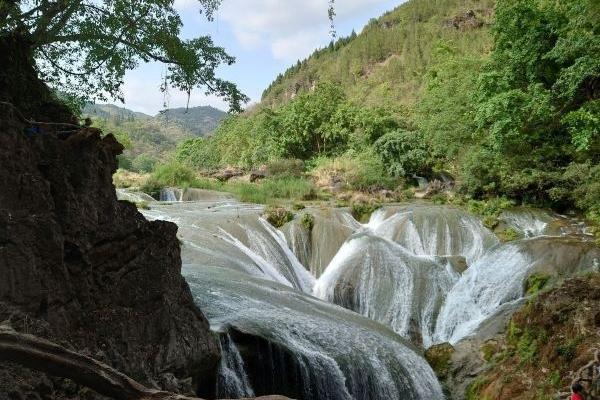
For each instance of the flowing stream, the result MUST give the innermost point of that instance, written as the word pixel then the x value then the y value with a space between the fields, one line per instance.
pixel 414 275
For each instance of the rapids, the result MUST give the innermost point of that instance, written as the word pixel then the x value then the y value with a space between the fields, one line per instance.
pixel 431 274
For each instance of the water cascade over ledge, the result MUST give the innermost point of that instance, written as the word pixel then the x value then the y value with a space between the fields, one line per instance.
pixel 431 274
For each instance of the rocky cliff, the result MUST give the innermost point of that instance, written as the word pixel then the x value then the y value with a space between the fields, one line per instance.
pixel 87 271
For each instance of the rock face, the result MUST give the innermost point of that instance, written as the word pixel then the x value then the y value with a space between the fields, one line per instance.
pixel 88 271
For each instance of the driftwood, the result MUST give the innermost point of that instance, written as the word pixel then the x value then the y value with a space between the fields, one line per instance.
pixel 44 356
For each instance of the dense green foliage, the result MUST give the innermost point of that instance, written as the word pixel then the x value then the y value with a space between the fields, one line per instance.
pixel 321 127
pixel 511 111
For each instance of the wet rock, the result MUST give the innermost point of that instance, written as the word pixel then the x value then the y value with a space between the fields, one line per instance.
pixel 88 271
pixel 257 175
pixel 439 357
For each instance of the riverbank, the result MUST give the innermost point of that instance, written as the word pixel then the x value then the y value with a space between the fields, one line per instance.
pixel 295 192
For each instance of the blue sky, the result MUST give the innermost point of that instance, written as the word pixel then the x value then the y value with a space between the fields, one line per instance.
pixel 265 36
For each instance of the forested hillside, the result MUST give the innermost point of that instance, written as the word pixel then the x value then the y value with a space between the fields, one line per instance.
pixel 505 98
pixel 151 139
pixel 387 63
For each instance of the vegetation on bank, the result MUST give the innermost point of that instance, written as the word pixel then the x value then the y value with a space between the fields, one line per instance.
pixel 507 105
pixel 553 334
pixel 518 122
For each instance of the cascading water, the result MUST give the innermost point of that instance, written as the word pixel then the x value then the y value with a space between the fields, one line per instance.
pixel 170 195
pixel 497 280
pixel 288 342
pixel 383 281
pixel 298 346
pixel 232 235
pixel 406 263
pixel 317 247
pixel 232 380
pixel 405 269
pixel 134 197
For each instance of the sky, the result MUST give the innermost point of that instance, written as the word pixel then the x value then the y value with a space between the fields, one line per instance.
pixel 265 37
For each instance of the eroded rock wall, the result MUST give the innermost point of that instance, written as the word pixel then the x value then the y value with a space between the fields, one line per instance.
pixel 88 271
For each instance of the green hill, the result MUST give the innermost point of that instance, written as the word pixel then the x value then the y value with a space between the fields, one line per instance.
pixel 150 139
pixel 387 62
pixel 504 97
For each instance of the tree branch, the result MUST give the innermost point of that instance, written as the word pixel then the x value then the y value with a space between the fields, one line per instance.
pixel 47 357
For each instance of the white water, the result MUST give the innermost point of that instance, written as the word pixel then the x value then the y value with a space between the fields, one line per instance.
pixel 402 269
pixel 232 381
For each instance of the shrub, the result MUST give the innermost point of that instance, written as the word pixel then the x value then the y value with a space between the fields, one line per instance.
pixel 536 282
pixel 355 171
pixel 278 216
pixel 143 163
pixel 404 153
pixel 172 174
pixel 298 206
pixel 307 221
pixel 362 207
pixel 490 209
pixel 509 235
pixel 125 179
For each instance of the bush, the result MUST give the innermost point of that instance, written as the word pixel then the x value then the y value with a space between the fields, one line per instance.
pixel 307 221
pixel 124 162
pixel 361 208
pixel 355 171
pixel 278 216
pixel 490 209
pixel 509 235
pixel 143 163
pixel 404 153
pixel 125 179
pixel 200 153
pixel 172 174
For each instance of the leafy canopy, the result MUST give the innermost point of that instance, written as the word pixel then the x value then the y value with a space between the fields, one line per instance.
pixel 84 47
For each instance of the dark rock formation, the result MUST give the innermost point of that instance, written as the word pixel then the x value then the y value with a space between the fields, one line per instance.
pixel 87 271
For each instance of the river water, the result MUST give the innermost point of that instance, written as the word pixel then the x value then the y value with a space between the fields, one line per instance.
pixel 340 311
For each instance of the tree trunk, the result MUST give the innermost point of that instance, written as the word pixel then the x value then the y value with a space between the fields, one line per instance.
pixel 21 86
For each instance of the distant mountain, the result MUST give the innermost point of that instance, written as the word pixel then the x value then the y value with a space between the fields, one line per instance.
pixel 153 137
pixel 199 120
pixel 109 111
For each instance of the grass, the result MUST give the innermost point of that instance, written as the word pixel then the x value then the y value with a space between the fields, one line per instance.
pixel 270 190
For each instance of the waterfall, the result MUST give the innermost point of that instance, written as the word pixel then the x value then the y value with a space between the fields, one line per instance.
pixel 414 274
pixel 316 249
pixel 232 380
pixel 434 230
pixel 304 348
pixel 496 281
pixel 134 197
pixel 170 195
pixel 383 281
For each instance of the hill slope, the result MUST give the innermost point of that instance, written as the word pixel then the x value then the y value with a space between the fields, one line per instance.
pixel 148 139
pixel 387 61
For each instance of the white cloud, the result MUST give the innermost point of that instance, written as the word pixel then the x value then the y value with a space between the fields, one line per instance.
pixel 291 28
